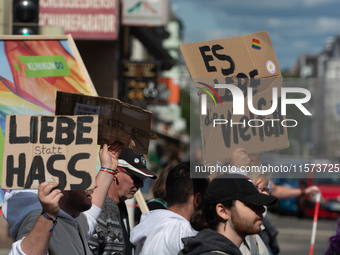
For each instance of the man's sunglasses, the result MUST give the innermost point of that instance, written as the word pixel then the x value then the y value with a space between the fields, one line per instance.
pixel 135 178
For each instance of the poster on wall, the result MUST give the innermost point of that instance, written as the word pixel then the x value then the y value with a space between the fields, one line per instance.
pixel 32 70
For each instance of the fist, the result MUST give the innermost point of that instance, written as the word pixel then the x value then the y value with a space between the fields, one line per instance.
pixel 49 198
pixel 239 158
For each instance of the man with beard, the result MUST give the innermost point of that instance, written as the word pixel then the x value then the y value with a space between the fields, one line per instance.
pixel 232 209
pixel 52 222
pixel 160 231
pixel 112 234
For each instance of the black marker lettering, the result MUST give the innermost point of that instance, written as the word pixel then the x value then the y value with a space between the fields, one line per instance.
pixel 79 174
pixel 207 59
pixel 11 170
pixel 13 138
pixel 46 129
pixel 81 129
pixel 226 130
pixel 242 130
pixel 223 57
pixel 34 129
pixel 58 173
pixel 68 130
pixel 37 172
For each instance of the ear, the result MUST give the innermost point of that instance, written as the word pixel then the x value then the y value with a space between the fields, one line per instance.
pixel 197 199
pixel 119 171
pixel 222 211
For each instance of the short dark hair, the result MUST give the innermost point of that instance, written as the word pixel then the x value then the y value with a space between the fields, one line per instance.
pixel 207 216
pixel 179 185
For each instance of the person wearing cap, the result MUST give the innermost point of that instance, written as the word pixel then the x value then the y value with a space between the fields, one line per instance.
pixel 112 234
pixel 232 209
pixel 253 244
pixel 160 231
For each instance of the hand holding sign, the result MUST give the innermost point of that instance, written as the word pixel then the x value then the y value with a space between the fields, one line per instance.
pixel 108 159
pixel 239 158
pixel 49 198
pixel 109 155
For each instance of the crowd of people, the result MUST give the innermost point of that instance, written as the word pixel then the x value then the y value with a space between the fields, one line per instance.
pixel 224 214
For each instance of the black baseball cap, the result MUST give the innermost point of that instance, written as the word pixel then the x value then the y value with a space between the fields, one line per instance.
pixel 134 163
pixel 228 187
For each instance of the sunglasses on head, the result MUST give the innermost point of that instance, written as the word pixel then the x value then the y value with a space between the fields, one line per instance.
pixel 263 189
pixel 135 178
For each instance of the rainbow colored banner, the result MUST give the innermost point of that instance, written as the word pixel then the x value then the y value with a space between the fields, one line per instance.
pixel 31 71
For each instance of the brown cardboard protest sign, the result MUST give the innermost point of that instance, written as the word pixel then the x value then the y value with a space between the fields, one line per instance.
pixel 245 62
pixel 50 148
pixel 118 121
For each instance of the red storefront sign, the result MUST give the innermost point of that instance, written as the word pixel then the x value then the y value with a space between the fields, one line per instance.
pixel 84 19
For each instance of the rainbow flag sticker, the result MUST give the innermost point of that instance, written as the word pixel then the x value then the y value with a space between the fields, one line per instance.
pixel 256 44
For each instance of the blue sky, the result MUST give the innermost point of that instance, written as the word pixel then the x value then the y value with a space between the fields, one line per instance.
pixel 295 26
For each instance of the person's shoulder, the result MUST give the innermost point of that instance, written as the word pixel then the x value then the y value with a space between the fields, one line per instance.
pixel 27 224
pixel 32 216
pixel 177 226
pixel 110 209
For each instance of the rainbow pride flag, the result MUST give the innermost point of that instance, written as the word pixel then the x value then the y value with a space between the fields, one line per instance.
pixel 256 44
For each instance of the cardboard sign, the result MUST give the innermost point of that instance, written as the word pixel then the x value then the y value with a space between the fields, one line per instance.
pixel 50 148
pixel 118 121
pixel 247 61
pixel 32 69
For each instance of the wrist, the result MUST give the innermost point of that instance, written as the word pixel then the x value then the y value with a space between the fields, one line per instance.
pixel 109 170
pixel 112 172
pixel 54 220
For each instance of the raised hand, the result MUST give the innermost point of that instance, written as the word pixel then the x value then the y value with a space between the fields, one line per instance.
pixel 49 198
pixel 239 158
pixel 109 155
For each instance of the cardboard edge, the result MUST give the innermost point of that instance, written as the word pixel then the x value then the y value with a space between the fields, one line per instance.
pixel 185 61
pixel 81 64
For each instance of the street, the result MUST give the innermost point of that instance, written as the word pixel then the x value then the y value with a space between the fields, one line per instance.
pixel 295 234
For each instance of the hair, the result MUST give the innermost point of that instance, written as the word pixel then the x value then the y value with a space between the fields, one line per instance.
pixel 258 175
pixel 180 186
pixel 207 217
pixel 334 242
pixel 200 185
pixel 158 189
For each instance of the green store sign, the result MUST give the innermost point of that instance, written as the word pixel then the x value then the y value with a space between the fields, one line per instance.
pixel 44 66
